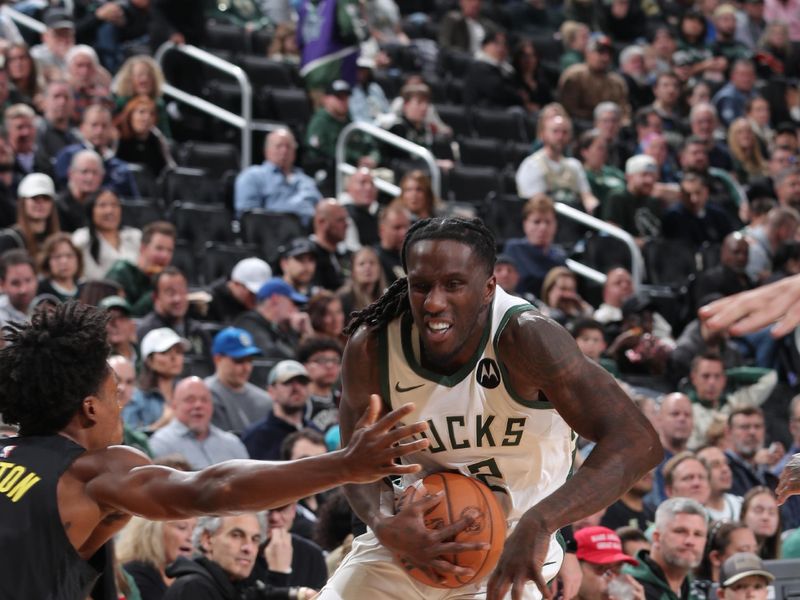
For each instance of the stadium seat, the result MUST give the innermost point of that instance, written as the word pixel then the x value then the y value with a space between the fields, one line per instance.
pixel 219 259
pixel 603 252
pixel 226 36
pixel 515 153
pixel 201 223
pixel 187 183
pixel 454 63
pixel 269 230
pixel 290 106
pixel 472 184
pixel 260 41
pixel 482 152
pixel 145 180
pixel 669 262
pixel 502 213
pixel 185 259
pixel 260 373
pixel 263 71
pixel 139 212
pixel 457 117
pixel 214 158
pixel 499 124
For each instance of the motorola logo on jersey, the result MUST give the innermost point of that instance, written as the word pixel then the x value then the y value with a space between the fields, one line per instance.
pixel 488 373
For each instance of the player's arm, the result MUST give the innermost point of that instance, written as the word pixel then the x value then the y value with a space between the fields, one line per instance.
pixel 777 303
pixel 404 533
pixel 122 479
pixel 540 354
pixel 360 379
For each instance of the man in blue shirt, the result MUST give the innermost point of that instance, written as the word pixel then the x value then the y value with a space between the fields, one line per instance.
pixel 276 184
pixel 190 432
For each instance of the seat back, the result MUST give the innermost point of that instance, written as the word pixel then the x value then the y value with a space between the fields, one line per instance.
pixel 268 231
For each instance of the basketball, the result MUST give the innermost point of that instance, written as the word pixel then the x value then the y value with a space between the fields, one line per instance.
pixel 462 496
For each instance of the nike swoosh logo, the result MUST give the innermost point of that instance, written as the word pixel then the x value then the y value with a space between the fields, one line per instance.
pixel 406 389
pixel 552 562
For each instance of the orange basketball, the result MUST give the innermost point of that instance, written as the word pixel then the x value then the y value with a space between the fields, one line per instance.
pixel 462 496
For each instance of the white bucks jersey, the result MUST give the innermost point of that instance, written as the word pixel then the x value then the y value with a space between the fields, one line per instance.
pixel 478 425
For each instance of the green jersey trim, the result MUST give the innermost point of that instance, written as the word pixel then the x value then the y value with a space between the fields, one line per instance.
pixel 536 404
pixel 406 329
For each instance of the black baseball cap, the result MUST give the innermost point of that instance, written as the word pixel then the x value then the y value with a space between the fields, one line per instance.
pixel 297 247
pixel 338 87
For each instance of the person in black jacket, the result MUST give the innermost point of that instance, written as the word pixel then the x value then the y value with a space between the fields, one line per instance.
pixel 230 547
pixel 490 79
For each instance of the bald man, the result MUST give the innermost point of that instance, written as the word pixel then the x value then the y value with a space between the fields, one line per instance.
pixel 191 434
pixel 276 184
pixel 333 259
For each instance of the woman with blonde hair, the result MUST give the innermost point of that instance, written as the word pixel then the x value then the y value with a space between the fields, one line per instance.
pixel 748 162
pixel 145 549
pixel 416 195
pixel 141 75
pixel 367 282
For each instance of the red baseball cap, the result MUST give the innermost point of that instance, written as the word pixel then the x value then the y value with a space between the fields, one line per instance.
pixel 601 546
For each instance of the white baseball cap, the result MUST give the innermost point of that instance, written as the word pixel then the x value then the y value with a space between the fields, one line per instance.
pixel 641 163
pixel 161 340
pixel 36 184
pixel 252 273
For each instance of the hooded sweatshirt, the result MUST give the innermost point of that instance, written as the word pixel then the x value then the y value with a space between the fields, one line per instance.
pixel 652 578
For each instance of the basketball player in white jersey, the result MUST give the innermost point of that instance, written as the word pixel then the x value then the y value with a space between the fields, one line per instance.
pixel 501 388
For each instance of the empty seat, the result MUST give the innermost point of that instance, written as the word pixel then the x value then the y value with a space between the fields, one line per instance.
pixel 260 41
pixel 515 153
pixel 145 180
pixel 457 117
pixel 260 373
pixel 270 230
pixel 669 262
pixel 454 62
pixel 264 71
pixel 225 94
pixel 187 183
pixel 138 213
pixel 482 152
pixel 226 36
pixel 291 106
pixel 603 252
pixel 202 223
pixel 214 158
pixel 499 124
pixel 502 214
pixel 473 184
pixel 219 259
pixel 185 259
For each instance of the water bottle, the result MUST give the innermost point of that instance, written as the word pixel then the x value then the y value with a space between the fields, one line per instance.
pixel 620 589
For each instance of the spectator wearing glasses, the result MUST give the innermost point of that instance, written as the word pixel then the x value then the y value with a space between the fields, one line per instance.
pixel 322 358
pixel 601 559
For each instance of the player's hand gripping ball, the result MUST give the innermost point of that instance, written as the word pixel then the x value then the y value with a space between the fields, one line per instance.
pixel 463 496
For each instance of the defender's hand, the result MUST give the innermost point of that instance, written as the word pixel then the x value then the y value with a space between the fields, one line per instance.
pixel 375 446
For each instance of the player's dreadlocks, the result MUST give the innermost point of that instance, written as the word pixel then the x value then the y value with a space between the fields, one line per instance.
pixel 394 301
pixel 50 365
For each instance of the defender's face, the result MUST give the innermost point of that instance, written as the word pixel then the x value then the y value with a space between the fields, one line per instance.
pixel 450 293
